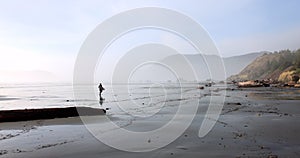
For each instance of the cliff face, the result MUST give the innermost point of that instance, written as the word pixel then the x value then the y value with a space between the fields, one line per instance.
pixel 281 66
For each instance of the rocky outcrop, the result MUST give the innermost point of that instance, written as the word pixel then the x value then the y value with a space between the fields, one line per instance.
pixel 289 76
pixel 48 113
pixel 249 84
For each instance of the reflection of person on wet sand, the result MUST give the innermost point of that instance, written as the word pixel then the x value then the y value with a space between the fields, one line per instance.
pixel 101 89
pixel 101 102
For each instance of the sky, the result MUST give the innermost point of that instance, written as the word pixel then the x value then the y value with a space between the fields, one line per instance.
pixel 46 35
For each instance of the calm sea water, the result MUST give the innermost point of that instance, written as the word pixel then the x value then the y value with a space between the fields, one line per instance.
pixel 47 95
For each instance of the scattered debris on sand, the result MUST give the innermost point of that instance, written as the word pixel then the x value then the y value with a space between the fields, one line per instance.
pixel 3 152
pixel 238 135
pixel 52 145
pixel 272 156
pixel 234 103
pixel 200 87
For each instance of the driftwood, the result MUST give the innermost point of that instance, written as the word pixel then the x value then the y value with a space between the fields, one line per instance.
pixel 47 113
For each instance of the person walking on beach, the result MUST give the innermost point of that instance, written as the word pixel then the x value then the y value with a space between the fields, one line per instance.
pixel 101 89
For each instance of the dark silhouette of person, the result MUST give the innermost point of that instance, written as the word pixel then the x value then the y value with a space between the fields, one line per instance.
pixel 101 89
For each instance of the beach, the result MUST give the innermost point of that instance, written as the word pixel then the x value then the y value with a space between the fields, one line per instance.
pixel 254 122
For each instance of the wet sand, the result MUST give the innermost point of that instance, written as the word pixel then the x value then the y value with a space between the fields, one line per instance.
pixel 252 124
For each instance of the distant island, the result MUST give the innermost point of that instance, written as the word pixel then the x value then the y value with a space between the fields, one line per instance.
pixel 282 66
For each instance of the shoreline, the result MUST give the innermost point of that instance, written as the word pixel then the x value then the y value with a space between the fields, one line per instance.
pixel 249 126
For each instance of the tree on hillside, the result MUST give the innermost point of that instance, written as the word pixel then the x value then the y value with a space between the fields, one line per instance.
pixel 297 58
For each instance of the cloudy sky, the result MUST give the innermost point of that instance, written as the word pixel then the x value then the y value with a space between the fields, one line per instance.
pixel 45 35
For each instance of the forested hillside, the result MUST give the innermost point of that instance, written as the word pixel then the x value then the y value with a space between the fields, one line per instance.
pixel 282 66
